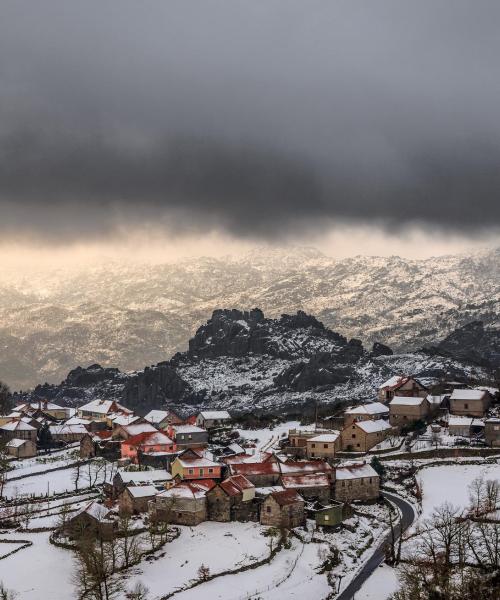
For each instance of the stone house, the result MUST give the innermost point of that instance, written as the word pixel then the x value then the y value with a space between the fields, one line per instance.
pixel 135 499
pixel 492 432
pixel 282 509
pixel 162 419
pixel 21 448
pixel 360 436
pixel 325 445
pixel 356 481
pixel 311 486
pixel 194 465
pixel 67 433
pixel 459 426
pixel 366 412
pixel 297 440
pixel 157 478
pixel 403 386
pixel 183 504
pixel 404 410
pixel 99 443
pixel 188 436
pixel 209 419
pixel 18 430
pixel 232 500
pixel 470 403
pixel 92 520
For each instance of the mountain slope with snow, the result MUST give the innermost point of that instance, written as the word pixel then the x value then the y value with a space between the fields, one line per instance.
pixel 127 315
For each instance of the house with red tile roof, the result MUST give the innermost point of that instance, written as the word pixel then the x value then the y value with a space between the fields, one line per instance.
pixel 232 500
pixel 145 443
pixel 401 385
pixel 183 504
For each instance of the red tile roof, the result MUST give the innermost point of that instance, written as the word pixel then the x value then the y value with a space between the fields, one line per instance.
pixel 264 468
pixel 286 497
pixel 233 486
pixel 305 466
pixel 305 481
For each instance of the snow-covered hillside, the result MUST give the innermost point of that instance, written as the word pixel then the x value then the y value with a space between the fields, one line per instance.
pixel 127 315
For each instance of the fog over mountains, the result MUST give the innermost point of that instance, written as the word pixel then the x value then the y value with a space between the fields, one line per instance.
pixel 132 315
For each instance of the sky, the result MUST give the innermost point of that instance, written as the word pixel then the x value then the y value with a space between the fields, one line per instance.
pixel 169 128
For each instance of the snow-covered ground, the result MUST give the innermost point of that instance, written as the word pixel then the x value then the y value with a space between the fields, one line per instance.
pixel 450 483
pixel 268 438
pixel 380 585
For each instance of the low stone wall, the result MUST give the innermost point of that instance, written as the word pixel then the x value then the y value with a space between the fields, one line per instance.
pixel 443 453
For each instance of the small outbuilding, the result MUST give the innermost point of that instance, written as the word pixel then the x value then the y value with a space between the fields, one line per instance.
pixel 21 448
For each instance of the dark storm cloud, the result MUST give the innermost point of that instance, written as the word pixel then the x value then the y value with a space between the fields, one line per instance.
pixel 258 118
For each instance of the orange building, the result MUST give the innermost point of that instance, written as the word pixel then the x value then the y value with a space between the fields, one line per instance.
pixel 146 442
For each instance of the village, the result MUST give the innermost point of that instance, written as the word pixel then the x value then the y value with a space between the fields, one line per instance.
pixel 102 473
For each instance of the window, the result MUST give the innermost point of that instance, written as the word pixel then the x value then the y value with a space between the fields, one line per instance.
pixel 201 471
pixel 327 518
pixel 353 436
pixel 313 445
pixel 358 445
pixel 466 406
pixel 190 437
pixel 190 471
pixel 371 480
pixel 210 470
pixel 268 509
pixel 325 445
pixel 362 482
pixel 312 454
pixel 343 484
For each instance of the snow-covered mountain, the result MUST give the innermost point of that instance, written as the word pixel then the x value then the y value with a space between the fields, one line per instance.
pixel 127 315
pixel 243 361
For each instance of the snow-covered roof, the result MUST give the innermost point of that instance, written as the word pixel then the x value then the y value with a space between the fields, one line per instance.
pixel 17 426
pixel 395 380
pixel 189 489
pixel 156 416
pixel 304 466
pixel 372 408
pixel 137 428
pixel 103 407
pixel 43 404
pixel 373 426
pixel 197 462
pixel 215 414
pixel 121 419
pixel 305 481
pixel 142 491
pixel 158 475
pixel 467 395
pixel 437 400
pixel 15 443
pixel 188 429
pixel 96 510
pixel 355 470
pixel 66 429
pixel 326 437
pixel 458 421
pixel 406 401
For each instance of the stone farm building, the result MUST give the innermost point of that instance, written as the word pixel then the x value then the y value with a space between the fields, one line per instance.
pixel 208 419
pixel 366 412
pixel 360 436
pixel 325 445
pixel 135 499
pixel 283 509
pixel 404 410
pixel 232 500
pixel 21 448
pixel 492 432
pixel 184 504
pixel 92 520
pixel 356 481
pixel 471 403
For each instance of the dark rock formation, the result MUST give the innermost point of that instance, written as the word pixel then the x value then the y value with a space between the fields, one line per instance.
pixel 380 349
pixel 471 343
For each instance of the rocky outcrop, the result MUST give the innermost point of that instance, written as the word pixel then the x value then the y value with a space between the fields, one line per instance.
pixel 379 349
pixel 472 343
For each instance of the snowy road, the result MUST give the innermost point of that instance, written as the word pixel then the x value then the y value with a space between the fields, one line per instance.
pixel 407 518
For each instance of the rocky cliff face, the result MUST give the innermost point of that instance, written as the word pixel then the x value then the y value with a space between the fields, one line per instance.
pixel 243 361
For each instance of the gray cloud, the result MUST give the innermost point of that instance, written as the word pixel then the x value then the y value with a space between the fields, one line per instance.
pixel 256 118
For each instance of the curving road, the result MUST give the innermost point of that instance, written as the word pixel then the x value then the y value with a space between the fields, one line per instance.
pixel 407 518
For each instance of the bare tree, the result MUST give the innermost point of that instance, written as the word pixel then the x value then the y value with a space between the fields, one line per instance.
pixel 5 400
pixel 93 574
pixel 129 548
pixel 138 592
pixel 6 594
